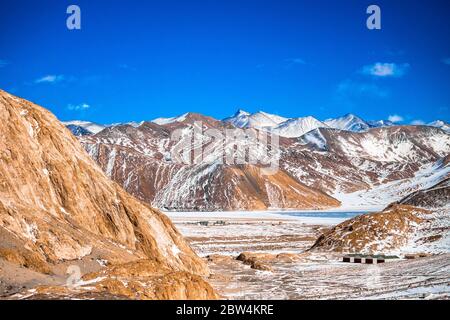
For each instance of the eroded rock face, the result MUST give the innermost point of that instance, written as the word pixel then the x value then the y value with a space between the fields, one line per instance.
pixel 60 206
pixel 137 280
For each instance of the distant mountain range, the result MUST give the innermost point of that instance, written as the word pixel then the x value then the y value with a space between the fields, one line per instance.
pixel 284 127
pixel 345 161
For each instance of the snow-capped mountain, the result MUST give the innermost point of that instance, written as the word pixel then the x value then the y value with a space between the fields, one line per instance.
pixel 440 124
pixel 78 131
pixel 83 127
pixel 294 128
pixel 380 123
pixel 243 119
pixel 349 122
pixel 339 163
pixel 131 123
pixel 162 121
pixel 141 160
pixel 355 161
pixel 239 119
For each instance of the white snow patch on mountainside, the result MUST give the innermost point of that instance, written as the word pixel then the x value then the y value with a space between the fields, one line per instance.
pixel 294 128
pixel 348 122
pixel 243 119
pixel 440 124
pixel 162 121
pixel 384 194
pixel 89 126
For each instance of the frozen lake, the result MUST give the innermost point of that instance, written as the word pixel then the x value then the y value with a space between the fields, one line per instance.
pixel 326 214
pixel 326 217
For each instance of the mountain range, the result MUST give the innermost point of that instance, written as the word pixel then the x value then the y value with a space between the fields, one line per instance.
pixel 285 127
pixel 347 162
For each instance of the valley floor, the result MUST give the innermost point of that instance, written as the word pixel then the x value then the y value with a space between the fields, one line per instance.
pixel 286 271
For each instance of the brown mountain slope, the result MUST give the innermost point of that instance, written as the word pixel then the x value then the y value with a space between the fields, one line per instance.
pixel 418 223
pixel 435 197
pixel 382 165
pixel 58 205
pixel 240 187
pixel 140 159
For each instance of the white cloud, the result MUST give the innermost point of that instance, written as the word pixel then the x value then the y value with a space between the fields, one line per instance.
pixel 395 118
pixel 446 61
pixel 385 69
pixel 418 123
pixel 78 107
pixel 51 78
pixel 3 63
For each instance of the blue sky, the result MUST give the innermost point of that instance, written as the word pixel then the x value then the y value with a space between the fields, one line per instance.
pixel 137 60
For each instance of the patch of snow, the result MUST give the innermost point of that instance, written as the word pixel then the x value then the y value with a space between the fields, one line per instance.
pixel 89 126
pixel 294 128
pixel 163 121
pixel 175 250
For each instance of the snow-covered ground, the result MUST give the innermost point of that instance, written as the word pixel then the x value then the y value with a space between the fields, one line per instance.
pixel 378 197
pixel 273 232
pixel 313 275
pixel 426 278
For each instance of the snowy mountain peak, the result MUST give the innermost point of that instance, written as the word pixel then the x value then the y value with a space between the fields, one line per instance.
pixel 381 123
pixel 83 127
pixel 297 127
pixel 440 124
pixel 241 112
pixel 264 120
pixel 239 119
pixel 260 119
pixel 348 122
pixel 162 121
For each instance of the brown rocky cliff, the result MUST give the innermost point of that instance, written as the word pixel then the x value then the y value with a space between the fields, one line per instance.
pixel 61 206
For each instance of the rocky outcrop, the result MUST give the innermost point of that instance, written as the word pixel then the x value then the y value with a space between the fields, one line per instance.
pixel 418 223
pixel 57 205
pixel 138 280
pixel 437 196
